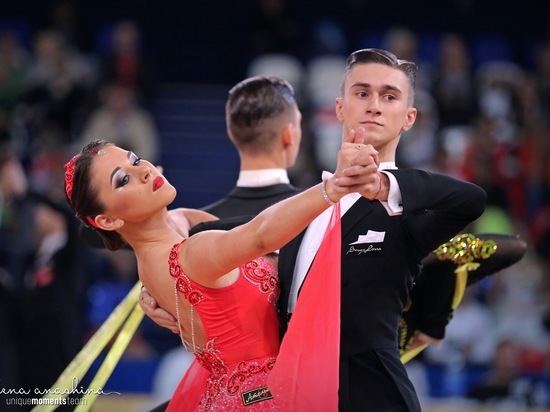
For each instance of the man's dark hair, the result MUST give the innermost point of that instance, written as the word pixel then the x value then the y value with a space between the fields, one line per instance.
pixel 256 108
pixel 386 58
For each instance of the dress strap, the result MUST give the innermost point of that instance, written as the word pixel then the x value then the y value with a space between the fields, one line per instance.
pixel 188 347
pixel 183 284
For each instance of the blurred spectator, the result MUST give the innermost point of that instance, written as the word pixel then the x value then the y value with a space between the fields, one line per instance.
pixel 530 111
pixel 533 155
pixel 485 161
pixel 505 386
pixel 41 292
pixel 59 92
pixel 64 18
pixel 542 72
pixel 540 233
pixel 124 62
pixel 323 79
pixel 327 37
pixel 121 121
pixel 498 85
pixel 274 28
pixel 417 147
pixel 453 86
pixel 518 300
pixel 404 43
pixel 14 65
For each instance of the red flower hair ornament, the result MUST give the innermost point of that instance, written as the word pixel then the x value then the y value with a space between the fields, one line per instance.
pixel 69 175
pixel 69 178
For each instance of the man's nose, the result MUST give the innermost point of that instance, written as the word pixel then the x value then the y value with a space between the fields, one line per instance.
pixel 373 105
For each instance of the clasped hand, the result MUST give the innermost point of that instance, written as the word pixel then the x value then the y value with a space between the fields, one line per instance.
pixel 357 167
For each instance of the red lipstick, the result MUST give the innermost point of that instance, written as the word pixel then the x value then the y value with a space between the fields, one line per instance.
pixel 158 182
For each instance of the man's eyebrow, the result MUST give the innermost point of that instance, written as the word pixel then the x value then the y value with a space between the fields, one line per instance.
pixel 384 87
pixel 360 84
pixel 391 87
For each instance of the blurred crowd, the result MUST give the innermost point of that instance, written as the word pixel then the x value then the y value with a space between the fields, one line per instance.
pixel 483 117
pixel 56 95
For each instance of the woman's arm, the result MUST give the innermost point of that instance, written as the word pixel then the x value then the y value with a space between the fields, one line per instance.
pixel 210 255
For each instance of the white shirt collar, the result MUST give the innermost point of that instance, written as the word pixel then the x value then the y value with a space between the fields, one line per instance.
pixel 262 177
pixel 387 165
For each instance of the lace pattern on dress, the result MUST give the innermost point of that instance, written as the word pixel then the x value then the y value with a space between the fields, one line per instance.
pixel 262 274
pixel 225 384
pixel 183 284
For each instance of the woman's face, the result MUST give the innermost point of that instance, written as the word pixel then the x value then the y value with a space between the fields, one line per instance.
pixel 132 189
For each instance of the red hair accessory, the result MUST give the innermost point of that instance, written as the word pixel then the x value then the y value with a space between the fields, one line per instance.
pixel 91 221
pixel 69 176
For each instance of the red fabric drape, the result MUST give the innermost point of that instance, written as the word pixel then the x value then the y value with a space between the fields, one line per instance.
pixel 305 375
pixel 188 394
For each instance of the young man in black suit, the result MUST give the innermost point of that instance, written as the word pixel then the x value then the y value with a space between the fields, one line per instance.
pixel 383 240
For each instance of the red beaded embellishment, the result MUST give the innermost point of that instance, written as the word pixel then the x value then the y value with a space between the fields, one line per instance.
pixel 69 175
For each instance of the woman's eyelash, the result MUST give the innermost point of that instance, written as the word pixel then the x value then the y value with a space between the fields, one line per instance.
pixel 124 179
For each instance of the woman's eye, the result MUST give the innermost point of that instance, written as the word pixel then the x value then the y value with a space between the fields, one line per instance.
pixel 137 161
pixel 123 180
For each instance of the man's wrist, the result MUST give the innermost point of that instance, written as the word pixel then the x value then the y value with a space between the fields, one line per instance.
pixel 384 189
pixel 379 186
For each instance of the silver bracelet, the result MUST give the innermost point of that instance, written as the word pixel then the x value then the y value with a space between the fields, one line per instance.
pixel 325 196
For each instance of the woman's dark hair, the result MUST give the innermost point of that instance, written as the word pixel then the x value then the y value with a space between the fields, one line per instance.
pixel 82 195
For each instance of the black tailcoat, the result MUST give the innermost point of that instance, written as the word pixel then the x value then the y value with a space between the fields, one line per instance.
pixel 377 278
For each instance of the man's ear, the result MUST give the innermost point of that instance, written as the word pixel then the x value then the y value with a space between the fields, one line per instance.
pixel 108 223
pixel 338 109
pixel 286 135
pixel 410 119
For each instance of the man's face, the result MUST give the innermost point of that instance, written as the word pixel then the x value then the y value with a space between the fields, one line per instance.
pixel 376 98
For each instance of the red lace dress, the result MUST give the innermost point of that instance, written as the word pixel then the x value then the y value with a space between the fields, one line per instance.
pixel 242 334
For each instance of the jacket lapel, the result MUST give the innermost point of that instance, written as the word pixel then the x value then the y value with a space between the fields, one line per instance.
pixel 360 209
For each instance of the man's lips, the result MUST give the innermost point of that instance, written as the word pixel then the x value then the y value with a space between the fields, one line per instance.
pixel 158 182
pixel 370 123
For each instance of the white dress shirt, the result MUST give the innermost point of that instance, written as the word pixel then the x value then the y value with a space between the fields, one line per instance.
pixel 316 230
pixel 262 177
